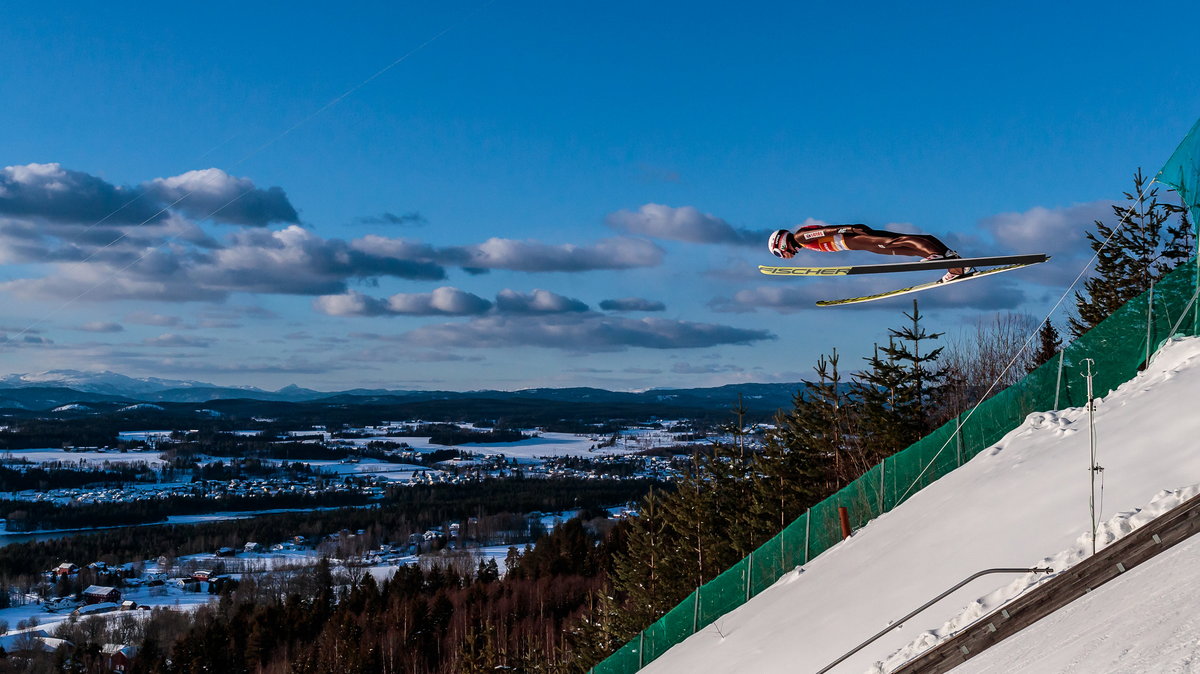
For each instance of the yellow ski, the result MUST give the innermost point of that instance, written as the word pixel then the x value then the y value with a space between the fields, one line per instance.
pixel 922 286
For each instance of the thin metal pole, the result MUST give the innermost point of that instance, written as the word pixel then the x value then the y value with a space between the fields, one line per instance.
pixel 1058 384
pixel 1093 468
pixel 1149 319
pixel 883 486
pixel 641 649
pixel 696 612
pixel 782 553
pixel 900 623
pixel 958 442
pixel 807 524
pixel 749 573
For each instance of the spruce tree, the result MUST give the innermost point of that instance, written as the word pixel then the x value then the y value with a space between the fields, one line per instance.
pixel 897 396
pixel 1132 254
pixel 880 404
pixel 802 455
pixel 702 514
pixel 595 635
pixel 1049 344
pixel 908 348
pixel 643 575
pixel 1180 243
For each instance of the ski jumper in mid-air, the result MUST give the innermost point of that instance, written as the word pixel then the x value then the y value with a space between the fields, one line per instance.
pixel 832 238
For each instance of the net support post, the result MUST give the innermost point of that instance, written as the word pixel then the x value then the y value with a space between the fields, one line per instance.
pixel 1149 321
pixel 807 524
pixel 958 438
pixel 883 486
pixel 696 612
pixel 1062 355
pixel 844 520
pixel 749 573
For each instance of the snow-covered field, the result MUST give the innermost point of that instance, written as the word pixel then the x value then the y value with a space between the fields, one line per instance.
pixel 392 471
pixel 162 596
pixel 88 458
pixel 146 436
pixel 1021 503
pixel 173 596
pixel 545 445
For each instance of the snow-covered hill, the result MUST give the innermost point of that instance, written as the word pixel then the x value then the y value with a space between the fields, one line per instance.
pixel 1021 503
pixel 1146 622
pixel 108 383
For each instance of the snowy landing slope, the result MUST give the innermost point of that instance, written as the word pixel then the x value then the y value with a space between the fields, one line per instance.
pixel 1144 621
pixel 1020 503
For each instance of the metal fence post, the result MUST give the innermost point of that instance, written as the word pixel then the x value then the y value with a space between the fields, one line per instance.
pixel 749 573
pixel 1058 384
pixel 641 649
pixel 807 524
pixel 1149 319
pixel 696 612
pixel 883 486
pixel 958 439
pixel 782 552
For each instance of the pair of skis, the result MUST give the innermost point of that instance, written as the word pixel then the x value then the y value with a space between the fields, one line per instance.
pixel 1009 262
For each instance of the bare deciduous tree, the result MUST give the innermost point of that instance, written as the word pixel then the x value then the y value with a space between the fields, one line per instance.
pixel 985 359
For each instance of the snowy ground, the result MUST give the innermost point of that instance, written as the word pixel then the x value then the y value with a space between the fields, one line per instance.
pixel 396 472
pixel 169 596
pixel 1147 620
pixel 90 458
pixel 173 596
pixel 1021 503
pixel 545 445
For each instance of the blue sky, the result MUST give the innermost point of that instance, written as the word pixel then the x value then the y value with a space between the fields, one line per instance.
pixel 545 194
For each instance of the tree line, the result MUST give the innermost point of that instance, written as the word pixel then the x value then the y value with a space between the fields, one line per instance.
pixel 405 510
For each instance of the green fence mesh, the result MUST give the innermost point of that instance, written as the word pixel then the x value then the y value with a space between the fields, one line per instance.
pixel 1182 172
pixel 1117 349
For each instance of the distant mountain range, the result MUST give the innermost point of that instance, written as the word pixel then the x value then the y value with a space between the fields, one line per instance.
pixel 55 388
pixel 106 383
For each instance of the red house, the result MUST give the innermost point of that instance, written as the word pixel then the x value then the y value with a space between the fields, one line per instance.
pixel 96 594
pixel 117 656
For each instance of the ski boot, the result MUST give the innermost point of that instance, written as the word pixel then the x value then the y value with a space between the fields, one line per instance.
pixel 951 274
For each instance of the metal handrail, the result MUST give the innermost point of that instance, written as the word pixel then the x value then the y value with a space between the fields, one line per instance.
pixel 898 623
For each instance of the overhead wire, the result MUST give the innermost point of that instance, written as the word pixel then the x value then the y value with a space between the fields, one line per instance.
pixel 1028 340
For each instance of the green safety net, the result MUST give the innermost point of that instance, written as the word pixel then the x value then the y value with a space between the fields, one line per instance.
pixel 1115 350
pixel 1182 172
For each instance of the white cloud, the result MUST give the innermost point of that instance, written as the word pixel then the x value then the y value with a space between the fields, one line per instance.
pixel 1048 230
pixel 350 304
pixel 534 256
pixel 51 193
pixel 444 301
pixel 537 302
pixel 582 332
pixel 171 339
pixel 685 223
pixel 212 194
pixel 101 326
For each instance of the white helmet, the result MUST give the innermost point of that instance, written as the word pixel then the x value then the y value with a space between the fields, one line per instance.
pixel 778 242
